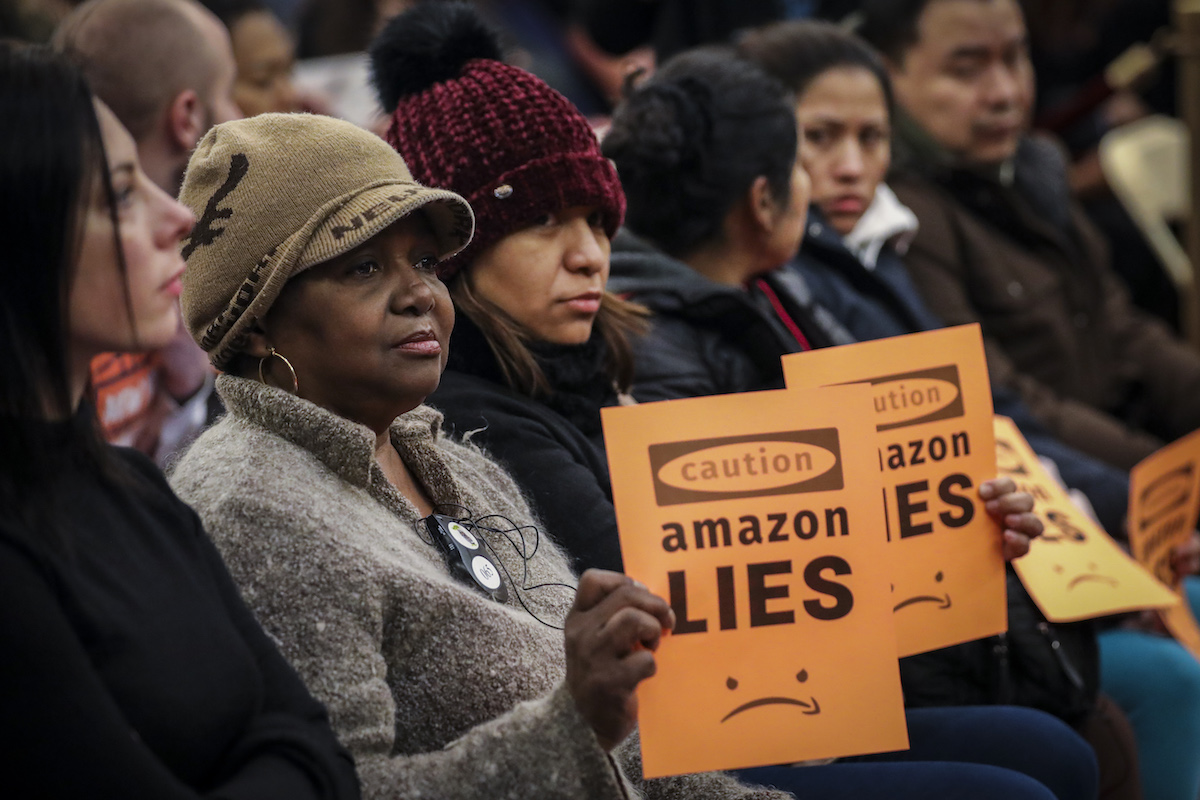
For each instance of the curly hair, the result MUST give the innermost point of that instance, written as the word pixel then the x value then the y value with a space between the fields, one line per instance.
pixel 691 141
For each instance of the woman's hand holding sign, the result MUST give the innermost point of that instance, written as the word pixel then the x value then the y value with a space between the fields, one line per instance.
pixel 611 634
pixel 1014 511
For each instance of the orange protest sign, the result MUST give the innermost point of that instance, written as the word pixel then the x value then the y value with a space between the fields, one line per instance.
pixel 756 516
pixel 931 405
pixel 1074 570
pixel 1164 500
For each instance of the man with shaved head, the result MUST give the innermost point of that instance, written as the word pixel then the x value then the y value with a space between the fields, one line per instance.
pixel 166 68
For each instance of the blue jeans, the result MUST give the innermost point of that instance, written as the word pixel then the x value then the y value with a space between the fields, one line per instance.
pixel 968 752
pixel 1156 682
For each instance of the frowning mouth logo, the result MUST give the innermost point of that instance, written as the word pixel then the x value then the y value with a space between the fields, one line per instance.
pixel 943 601
pixel 1087 577
pixel 1166 494
pixel 914 398
pixel 758 465
pixel 1078 579
pixel 811 705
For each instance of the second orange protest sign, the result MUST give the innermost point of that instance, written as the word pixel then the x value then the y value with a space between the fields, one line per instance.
pixel 931 409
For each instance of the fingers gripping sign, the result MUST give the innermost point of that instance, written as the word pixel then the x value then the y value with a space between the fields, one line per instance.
pixel 611 634
pixel 1014 511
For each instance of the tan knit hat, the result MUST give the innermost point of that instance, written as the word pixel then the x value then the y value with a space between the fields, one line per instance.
pixel 278 193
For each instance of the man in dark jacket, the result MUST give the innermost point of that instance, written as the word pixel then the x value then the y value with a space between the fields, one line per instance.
pixel 1002 243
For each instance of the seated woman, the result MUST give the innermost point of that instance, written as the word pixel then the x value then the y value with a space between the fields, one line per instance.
pixel 131 666
pixel 852 258
pixel 401 571
pixel 540 347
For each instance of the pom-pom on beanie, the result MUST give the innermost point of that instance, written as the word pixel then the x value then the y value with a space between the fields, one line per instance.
pixel 495 134
pixel 279 193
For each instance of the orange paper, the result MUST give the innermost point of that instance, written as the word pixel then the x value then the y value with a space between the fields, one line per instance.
pixel 1074 570
pixel 756 516
pixel 1164 500
pixel 931 405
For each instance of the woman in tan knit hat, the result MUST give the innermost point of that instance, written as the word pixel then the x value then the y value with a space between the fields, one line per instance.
pixel 401 571
pixel 130 666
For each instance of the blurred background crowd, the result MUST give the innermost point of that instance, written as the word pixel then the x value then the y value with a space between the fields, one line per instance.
pixel 1098 64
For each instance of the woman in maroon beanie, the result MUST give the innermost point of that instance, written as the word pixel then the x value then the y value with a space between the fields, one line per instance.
pixel 539 345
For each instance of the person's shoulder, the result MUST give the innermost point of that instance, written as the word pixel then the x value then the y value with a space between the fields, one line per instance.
pixel 504 424
pixel 234 461
pixel 469 403
pixel 134 474
pixel 459 388
pixel 663 284
pixel 940 215
pixel 137 464
pixel 227 443
pixel 923 195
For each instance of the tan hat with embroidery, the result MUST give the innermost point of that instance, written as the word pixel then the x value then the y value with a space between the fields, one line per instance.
pixel 278 193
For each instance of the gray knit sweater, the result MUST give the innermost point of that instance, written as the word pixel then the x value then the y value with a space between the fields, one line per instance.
pixel 438 691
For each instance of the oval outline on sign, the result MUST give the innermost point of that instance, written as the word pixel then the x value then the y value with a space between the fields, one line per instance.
pixel 916 402
pixel 728 458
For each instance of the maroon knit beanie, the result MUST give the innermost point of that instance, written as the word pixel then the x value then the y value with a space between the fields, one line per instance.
pixel 495 134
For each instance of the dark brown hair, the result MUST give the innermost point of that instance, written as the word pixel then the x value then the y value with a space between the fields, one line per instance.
pixel 691 140
pixel 797 52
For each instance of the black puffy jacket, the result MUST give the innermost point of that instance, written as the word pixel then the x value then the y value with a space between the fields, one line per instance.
pixel 707 338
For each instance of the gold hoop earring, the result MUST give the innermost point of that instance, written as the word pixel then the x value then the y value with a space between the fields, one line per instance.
pixel 272 353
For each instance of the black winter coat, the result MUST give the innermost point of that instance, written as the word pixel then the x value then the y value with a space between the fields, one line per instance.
pixel 707 338
pixel 553 447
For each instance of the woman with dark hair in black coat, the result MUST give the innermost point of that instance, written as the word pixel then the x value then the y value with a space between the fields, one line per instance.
pixel 131 668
